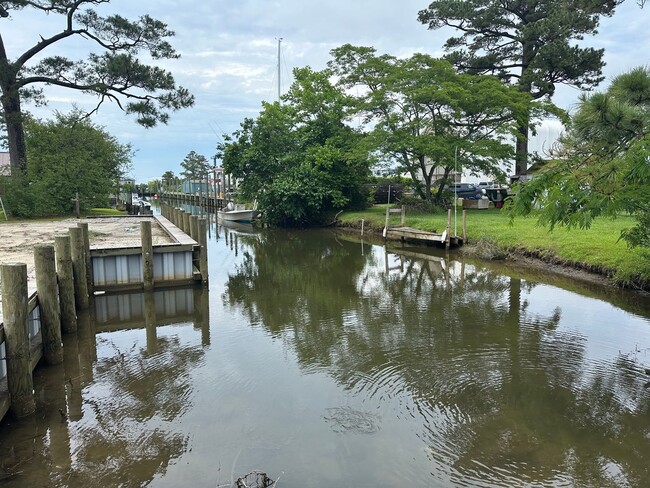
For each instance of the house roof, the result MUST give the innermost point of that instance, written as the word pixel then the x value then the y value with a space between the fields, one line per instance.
pixel 5 164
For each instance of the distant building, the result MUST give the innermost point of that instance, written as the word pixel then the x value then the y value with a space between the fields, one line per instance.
pixel 5 164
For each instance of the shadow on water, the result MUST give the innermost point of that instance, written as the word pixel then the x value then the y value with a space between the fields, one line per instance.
pixel 103 415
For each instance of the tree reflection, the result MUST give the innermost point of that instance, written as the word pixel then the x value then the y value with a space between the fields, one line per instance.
pixel 503 394
pixel 123 434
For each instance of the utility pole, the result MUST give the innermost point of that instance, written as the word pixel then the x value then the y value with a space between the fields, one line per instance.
pixel 279 42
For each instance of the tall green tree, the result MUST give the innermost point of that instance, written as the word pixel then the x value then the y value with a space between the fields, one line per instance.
pixel 428 118
pixel 67 156
pixel 112 70
pixel 602 167
pixel 530 43
pixel 300 160
pixel 195 166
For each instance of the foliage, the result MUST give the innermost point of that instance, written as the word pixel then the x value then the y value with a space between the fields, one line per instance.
pixel 195 166
pixel 67 155
pixel 529 43
pixel 299 160
pixel 112 70
pixel 428 118
pixel 602 168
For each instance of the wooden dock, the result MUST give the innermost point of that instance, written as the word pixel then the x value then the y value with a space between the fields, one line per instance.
pixel 404 233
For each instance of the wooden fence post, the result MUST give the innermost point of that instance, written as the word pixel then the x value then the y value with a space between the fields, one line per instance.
pixel 45 267
pixel 147 254
pixel 66 284
pixel 79 267
pixel 15 315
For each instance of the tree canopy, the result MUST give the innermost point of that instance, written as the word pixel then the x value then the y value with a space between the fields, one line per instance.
pixel 67 156
pixel 195 166
pixel 532 44
pixel 112 71
pixel 428 118
pixel 299 160
pixel 602 167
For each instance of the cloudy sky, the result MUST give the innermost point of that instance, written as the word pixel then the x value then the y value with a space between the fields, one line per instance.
pixel 229 59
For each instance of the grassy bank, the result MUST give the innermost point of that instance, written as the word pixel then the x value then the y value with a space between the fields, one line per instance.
pixel 596 249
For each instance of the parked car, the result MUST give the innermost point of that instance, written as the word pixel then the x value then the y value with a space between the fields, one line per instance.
pixel 484 185
pixel 466 190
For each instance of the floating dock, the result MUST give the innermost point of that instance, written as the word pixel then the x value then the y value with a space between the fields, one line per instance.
pixel 404 233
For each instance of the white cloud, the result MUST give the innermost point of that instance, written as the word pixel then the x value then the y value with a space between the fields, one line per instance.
pixel 229 58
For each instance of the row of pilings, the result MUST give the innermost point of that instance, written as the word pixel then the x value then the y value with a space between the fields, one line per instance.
pixel 195 227
pixel 64 286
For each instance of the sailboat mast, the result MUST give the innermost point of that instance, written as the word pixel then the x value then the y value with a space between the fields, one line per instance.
pixel 279 42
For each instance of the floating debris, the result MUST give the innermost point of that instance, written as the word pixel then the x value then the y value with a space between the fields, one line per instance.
pixel 256 479
pixel 346 419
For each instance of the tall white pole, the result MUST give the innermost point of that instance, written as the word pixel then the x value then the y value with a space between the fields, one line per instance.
pixel 279 73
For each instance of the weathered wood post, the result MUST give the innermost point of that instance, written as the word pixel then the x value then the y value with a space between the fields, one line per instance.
pixel 203 255
pixel 464 226
pixel 79 267
pixel 66 284
pixel 177 217
pixel 448 238
pixel 186 222
pixel 147 254
pixel 15 315
pixel 45 267
pixel 194 227
pixel 86 239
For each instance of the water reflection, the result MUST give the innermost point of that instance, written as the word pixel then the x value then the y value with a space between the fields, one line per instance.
pixel 504 390
pixel 119 432
pixel 330 361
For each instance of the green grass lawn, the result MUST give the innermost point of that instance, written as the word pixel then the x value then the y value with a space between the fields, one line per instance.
pixel 597 247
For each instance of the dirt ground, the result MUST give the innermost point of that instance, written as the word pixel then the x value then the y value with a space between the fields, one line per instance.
pixel 17 240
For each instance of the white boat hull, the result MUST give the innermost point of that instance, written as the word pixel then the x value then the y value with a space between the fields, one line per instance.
pixel 237 215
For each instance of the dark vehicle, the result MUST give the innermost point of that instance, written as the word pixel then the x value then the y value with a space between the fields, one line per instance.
pixel 466 190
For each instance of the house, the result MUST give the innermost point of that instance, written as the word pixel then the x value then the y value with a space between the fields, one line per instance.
pixel 5 164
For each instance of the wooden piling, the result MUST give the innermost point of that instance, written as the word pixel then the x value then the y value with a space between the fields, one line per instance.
pixel 448 239
pixel 147 254
pixel 203 255
pixel 86 241
pixel 79 267
pixel 186 222
pixel 15 315
pixel 194 227
pixel 66 284
pixel 45 268
pixel 464 226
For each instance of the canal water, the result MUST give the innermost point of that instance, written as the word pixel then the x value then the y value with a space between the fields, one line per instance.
pixel 326 361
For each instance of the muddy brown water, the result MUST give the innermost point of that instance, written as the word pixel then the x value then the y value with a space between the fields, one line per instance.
pixel 326 361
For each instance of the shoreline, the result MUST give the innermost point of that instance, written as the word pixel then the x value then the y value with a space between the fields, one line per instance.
pixel 539 260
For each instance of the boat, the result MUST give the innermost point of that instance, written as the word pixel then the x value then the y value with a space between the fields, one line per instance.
pixel 237 213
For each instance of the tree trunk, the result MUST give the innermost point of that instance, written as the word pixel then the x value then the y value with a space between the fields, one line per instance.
pixel 521 148
pixel 15 130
